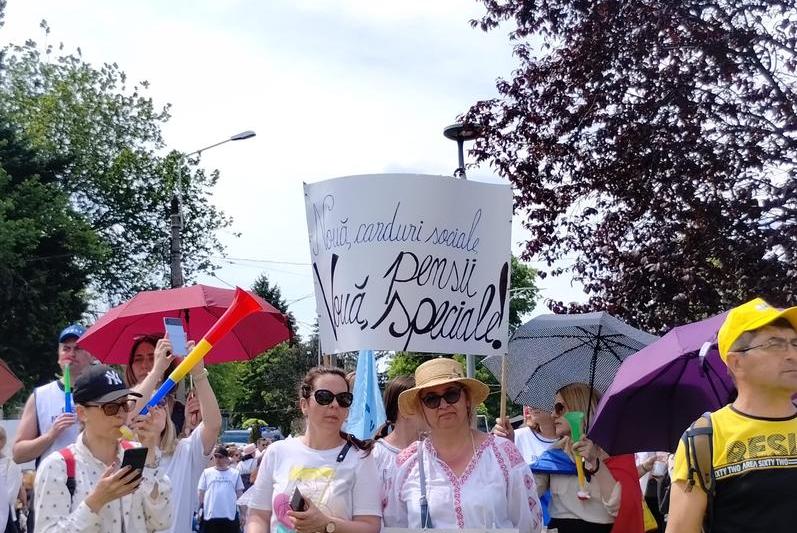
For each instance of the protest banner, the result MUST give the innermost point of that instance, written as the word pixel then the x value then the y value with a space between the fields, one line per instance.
pixel 410 262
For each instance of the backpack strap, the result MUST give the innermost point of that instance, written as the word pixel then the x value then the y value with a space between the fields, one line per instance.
pixel 69 459
pixel 699 447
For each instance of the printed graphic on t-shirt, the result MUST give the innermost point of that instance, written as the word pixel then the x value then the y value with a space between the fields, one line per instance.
pixel 758 452
pixel 314 484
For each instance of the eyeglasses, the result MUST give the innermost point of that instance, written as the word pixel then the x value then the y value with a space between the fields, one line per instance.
pixel 559 409
pixel 325 397
pixel 111 409
pixel 451 396
pixel 774 345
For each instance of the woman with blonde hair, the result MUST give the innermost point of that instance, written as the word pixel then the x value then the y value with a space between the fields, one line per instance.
pixel 323 481
pixel 598 508
pixel 184 459
pixel 458 477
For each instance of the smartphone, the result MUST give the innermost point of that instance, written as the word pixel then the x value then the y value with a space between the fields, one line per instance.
pixel 135 458
pixel 297 501
pixel 176 335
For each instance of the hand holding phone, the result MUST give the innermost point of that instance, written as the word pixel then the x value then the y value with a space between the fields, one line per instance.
pixel 176 335
pixel 297 501
pixel 135 458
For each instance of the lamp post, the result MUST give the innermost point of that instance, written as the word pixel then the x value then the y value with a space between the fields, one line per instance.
pixel 460 133
pixel 176 216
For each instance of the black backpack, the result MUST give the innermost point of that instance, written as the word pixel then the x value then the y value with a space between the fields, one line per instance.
pixel 699 446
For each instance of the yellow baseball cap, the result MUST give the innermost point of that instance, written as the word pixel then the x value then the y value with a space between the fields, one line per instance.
pixel 749 317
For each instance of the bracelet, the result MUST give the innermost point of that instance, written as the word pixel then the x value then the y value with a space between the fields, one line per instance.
pixel 593 471
pixel 201 377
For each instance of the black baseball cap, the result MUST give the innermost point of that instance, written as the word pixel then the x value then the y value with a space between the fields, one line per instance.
pixel 100 384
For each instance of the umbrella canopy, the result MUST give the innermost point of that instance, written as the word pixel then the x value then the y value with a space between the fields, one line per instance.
pixel 551 351
pixel 199 306
pixel 659 391
pixel 9 383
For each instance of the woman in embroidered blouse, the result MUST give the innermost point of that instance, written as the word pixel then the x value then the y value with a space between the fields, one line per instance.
pixel 468 479
pixel 333 471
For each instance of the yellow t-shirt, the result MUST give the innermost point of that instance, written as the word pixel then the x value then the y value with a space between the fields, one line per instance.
pixel 755 465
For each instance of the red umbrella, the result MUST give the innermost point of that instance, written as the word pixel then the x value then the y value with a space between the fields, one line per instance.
pixel 9 384
pixel 112 337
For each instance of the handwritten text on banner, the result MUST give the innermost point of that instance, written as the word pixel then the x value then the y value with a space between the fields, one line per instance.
pixel 410 262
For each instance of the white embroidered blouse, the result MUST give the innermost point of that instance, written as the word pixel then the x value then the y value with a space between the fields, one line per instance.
pixel 495 491
pixel 57 512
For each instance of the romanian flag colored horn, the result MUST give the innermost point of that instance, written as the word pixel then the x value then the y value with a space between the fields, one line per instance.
pixel 243 305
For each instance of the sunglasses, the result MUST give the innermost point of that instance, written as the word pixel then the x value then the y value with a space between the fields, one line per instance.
pixel 111 409
pixel 325 397
pixel 451 396
pixel 559 409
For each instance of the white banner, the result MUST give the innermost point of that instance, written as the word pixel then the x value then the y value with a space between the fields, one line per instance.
pixel 410 262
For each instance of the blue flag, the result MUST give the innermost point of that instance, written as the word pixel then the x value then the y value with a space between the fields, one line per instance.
pixel 367 413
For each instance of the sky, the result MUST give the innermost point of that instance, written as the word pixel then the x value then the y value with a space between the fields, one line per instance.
pixel 331 87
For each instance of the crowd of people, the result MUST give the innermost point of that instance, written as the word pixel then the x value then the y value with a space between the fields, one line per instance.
pixel 427 467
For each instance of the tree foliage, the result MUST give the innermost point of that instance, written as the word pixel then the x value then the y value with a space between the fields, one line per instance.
pixel 272 294
pixel 524 292
pixel 110 133
pixel 653 144
pixel 46 253
pixel 268 386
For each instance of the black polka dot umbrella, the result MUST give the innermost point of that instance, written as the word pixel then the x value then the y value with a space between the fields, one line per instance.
pixel 551 351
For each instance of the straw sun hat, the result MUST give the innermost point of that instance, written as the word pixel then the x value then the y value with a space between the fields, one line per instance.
pixel 439 372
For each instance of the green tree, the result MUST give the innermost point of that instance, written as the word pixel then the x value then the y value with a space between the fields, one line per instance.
pixel 110 132
pixel 272 294
pixel 47 251
pixel 523 297
pixel 268 385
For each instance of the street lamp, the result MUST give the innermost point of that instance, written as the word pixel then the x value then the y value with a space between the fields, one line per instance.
pixel 176 215
pixel 460 132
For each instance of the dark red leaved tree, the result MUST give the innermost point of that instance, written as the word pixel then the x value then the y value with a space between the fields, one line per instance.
pixel 652 144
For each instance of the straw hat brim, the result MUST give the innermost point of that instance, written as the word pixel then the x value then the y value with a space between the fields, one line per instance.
pixel 409 400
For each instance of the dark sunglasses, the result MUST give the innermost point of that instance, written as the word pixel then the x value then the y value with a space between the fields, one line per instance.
pixel 559 409
pixel 111 409
pixel 451 396
pixel 325 397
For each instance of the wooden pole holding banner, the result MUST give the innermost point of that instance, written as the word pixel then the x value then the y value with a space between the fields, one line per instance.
pixel 503 389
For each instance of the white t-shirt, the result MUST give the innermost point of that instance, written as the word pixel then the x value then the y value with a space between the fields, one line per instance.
pixel 221 492
pixel 342 490
pixel 12 474
pixel 3 501
pixel 184 467
pixel 530 444
pixel 245 466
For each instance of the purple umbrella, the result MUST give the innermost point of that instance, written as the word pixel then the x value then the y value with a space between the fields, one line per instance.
pixel 663 388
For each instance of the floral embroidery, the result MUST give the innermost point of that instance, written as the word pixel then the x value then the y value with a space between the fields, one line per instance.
pixel 528 481
pixel 457 483
pixel 515 458
pixel 407 453
pixel 501 462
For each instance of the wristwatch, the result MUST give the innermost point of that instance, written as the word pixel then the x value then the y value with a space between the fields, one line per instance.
pixel 330 527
